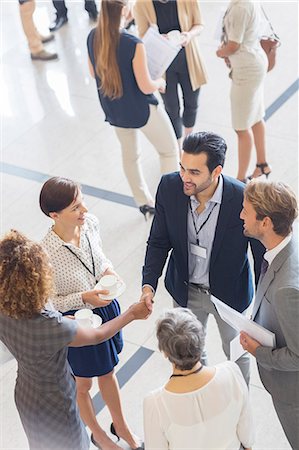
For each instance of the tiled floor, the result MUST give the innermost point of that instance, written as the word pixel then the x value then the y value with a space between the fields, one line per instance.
pixel 52 124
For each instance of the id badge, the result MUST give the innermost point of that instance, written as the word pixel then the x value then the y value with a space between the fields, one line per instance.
pixel 197 250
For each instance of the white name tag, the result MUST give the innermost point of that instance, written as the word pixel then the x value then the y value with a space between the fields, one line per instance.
pixel 197 250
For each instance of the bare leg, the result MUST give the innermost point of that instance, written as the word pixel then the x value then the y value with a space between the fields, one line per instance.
pixel 244 151
pixel 109 388
pixel 88 414
pixel 259 137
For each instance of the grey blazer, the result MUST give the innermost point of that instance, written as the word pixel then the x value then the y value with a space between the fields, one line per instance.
pixel 276 308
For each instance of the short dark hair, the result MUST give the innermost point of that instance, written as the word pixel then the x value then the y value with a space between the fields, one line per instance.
pixel 275 200
pixel 213 145
pixel 57 194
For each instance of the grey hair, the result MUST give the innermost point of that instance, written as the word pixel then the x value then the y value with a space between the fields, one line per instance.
pixel 181 337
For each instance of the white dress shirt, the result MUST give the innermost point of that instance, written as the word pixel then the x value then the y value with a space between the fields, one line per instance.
pixel 271 254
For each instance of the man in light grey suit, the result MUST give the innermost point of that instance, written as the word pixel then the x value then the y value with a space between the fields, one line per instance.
pixel 269 210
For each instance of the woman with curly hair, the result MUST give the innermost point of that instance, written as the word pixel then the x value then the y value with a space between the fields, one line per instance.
pixel 45 391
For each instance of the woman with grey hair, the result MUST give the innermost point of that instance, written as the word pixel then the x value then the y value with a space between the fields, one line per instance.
pixel 200 406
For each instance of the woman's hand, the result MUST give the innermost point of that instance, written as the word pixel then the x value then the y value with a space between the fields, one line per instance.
pixel 186 37
pixel 227 49
pixel 219 52
pixel 162 85
pixel 92 297
pixel 112 272
pixel 139 310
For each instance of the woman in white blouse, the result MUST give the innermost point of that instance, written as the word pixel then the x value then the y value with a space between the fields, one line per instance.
pixel 243 53
pixel 200 407
pixel 75 249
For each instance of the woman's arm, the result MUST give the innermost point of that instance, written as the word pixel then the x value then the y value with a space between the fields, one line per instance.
pixel 188 35
pixel 90 66
pixel 227 49
pixel 143 78
pixel 89 336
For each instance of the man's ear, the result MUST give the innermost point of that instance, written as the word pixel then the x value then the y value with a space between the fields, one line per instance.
pixel 217 171
pixel 267 223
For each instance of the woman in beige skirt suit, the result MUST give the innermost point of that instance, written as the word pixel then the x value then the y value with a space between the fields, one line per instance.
pixel 243 53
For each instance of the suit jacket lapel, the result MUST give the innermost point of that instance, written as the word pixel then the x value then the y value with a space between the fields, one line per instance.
pixel 262 289
pixel 269 275
pixel 223 218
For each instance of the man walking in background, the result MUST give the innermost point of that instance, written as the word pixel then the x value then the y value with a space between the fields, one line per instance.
pixel 35 40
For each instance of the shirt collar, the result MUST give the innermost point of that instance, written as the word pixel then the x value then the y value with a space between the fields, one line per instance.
pixel 55 241
pixel 271 254
pixel 216 197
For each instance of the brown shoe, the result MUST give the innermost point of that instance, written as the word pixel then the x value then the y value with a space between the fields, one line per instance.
pixel 43 55
pixel 48 38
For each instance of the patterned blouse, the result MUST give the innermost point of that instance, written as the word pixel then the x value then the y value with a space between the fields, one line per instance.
pixel 76 269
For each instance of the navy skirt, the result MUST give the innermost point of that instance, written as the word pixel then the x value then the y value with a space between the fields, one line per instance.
pixel 96 360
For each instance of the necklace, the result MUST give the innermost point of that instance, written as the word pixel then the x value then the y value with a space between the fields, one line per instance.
pixel 186 374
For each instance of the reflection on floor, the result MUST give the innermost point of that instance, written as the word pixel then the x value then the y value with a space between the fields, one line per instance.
pixel 53 126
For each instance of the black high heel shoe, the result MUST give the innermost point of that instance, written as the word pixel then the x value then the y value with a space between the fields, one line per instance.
pixel 94 442
pixel 261 167
pixel 146 209
pixel 113 431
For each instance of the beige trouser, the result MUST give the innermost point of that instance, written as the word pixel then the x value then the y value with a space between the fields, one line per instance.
pixel 159 132
pixel 33 37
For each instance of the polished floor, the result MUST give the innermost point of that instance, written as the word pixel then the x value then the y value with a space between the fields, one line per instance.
pixel 52 125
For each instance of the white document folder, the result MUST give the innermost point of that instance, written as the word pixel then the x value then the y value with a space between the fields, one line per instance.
pixel 160 52
pixel 241 323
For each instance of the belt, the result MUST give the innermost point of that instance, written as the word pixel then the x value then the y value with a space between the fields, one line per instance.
pixel 205 289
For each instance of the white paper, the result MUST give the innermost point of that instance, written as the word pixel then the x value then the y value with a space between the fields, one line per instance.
pixel 160 52
pixel 242 323
pixel 236 349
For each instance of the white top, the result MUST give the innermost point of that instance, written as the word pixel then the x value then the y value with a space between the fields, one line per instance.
pixel 271 254
pixel 216 416
pixel 243 24
pixel 70 276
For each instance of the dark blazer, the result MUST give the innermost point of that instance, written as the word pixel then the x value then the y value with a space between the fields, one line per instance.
pixel 230 275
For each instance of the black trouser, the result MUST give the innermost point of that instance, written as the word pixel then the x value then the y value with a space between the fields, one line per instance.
pixel 61 9
pixel 178 74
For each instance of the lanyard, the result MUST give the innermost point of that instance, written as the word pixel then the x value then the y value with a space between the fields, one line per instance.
pixel 203 224
pixel 93 272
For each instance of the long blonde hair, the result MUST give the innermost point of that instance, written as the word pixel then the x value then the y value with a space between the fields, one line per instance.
pixel 106 43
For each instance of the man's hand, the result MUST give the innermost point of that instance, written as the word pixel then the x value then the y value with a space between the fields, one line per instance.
pixel 147 297
pixel 249 344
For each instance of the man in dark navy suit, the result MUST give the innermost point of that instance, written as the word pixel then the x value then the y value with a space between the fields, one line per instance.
pixel 197 219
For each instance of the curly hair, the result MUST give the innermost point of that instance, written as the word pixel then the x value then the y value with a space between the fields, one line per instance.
pixel 25 276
